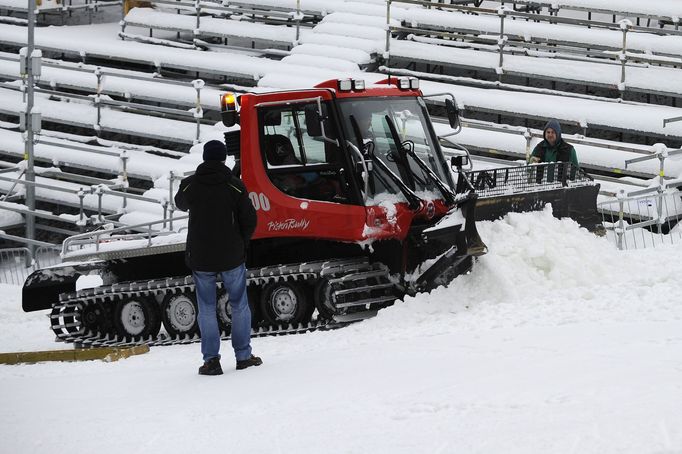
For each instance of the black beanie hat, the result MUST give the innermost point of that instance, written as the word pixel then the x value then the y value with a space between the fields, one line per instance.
pixel 214 150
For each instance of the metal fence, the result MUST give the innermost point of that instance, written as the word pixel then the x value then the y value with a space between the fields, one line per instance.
pixel 17 263
pixel 523 179
pixel 632 220
pixel 646 217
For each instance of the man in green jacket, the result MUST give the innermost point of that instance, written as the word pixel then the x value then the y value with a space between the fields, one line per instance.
pixel 554 149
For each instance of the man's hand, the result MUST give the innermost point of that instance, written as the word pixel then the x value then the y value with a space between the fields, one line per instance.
pixel 534 160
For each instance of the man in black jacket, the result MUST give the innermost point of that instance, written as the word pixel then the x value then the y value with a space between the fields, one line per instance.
pixel 221 222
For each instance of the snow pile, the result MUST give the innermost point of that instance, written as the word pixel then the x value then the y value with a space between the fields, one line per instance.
pixel 545 271
pixel 555 343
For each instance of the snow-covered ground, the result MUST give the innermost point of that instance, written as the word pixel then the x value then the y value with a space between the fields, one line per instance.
pixel 556 343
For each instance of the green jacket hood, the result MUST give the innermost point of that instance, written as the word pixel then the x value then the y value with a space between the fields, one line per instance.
pixel 554 124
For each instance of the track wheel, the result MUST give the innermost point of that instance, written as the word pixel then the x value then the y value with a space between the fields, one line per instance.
pixel 284 303
pixel 136 317
pixel 95 318
pixel 180 314
pixel 224 310
pixel 323 303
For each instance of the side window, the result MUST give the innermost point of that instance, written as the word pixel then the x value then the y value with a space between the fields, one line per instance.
pixel 279 139
pixel 298 161
pixel 314 147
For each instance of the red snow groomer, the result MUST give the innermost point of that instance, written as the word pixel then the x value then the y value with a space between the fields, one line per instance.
pixel 356 207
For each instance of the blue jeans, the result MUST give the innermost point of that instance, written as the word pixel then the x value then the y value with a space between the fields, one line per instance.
pixel 234 281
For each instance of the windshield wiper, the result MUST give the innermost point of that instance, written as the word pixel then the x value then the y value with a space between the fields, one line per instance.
pixel 366 149
pixel 404 151
pixel 413 200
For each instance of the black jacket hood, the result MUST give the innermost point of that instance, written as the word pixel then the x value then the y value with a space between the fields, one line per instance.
pixel 213 173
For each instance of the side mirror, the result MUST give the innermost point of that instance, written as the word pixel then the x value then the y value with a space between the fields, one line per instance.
pixel 453 113
pixel 232 142
pixel 457 162
pixel 313 121
pixel 229 117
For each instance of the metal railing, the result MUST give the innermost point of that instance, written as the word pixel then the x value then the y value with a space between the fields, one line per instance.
pixel 524 179
pixel 529 134
pixel 195 114
pixel 504 43
pixel 65 7
pixel 633 221
pixel 17 263
pixel 645 217
pixel 95 239
pixel 98 190
pixel 615 9
pixel 210 9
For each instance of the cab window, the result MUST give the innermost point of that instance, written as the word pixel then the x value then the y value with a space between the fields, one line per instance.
pixel 300 162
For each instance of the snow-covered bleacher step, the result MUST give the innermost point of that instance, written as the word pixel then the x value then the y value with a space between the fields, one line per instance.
pixel 646 119
pixel 85 115
pixel 56 151
pixel 102 42
pixel 54 191
pixel 357 38
pixel 654 80
pixel 489 24
pixel 47 6
pixel 317 7
pixel 343 42
pixel 339 65
pixel 261 34
pixel 670 9
pixel 356 56
pixel 116 82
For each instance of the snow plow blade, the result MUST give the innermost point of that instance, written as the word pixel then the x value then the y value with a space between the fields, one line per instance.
pixel 459 258
pixel 42 288
pixel 571 191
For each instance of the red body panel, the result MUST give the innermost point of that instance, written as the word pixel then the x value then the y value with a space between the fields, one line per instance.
pixel 281 215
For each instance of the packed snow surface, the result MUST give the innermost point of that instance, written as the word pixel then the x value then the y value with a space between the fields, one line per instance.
pixel 555 343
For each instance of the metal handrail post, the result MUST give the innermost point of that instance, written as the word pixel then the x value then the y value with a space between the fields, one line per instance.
pixel 528 135
pixel 197 32
pixel 171 180
pixel 29 153
pixel 98 74
pixel 660 190
pixel 620 230
pixel 164 204
pixel 124 177
pixel 100 192
pixel 81 215
pixel 298 22
pixel 29 256
pixel 625 25
pixel 387 52
pixel 122 23
pixel 171 210
pixel 501 41
pixel 198 84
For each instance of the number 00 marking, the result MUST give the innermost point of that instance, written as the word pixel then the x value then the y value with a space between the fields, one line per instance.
pixel 259 201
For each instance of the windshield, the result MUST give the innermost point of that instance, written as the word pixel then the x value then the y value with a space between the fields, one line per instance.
pixel 367 127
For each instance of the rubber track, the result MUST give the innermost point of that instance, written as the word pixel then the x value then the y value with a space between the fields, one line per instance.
pixel 352 282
